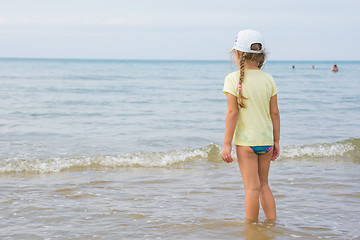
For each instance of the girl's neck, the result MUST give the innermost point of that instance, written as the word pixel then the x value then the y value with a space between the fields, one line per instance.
pixel 251 65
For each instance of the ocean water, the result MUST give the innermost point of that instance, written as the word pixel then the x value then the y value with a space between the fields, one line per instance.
pixel 130 149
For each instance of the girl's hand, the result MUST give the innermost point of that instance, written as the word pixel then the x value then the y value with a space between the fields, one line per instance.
pixel 276 151
pixel 226 153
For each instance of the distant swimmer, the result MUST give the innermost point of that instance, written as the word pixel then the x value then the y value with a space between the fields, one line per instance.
pixel 334 68
pixel 313 67
pixel 293 67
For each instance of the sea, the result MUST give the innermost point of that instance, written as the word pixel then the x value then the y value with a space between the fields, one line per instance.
pixel 130 149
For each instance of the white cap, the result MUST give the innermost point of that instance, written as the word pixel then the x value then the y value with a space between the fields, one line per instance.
pixel 246 38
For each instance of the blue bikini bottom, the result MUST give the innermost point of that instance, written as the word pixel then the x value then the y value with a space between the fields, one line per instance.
pixel 259 150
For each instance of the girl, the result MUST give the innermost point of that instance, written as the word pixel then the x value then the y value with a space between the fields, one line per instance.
pixel 253 122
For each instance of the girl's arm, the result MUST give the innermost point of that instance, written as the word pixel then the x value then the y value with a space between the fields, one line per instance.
pixel 275 117
pixel 230 124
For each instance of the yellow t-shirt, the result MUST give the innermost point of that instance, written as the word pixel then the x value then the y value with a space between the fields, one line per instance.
pixel 254 126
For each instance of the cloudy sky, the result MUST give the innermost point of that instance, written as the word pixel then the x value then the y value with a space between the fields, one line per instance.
pixel 174 29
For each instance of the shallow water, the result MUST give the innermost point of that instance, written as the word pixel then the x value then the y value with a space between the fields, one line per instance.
pixel 198 197
pixel 107 149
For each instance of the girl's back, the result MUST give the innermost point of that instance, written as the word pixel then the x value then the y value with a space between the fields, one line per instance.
pixel 254 121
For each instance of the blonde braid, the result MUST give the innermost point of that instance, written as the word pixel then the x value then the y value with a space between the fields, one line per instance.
pixel 241 79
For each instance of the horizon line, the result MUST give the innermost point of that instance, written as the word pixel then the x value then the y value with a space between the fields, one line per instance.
pixel 153 59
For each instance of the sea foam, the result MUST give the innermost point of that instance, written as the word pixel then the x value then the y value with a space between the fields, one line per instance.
pixel 340 151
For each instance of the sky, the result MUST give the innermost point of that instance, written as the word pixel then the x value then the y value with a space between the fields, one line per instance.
pixel 173 29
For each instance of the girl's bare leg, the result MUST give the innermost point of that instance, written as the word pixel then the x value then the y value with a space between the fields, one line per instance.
pixel 266 197
pixel 248 164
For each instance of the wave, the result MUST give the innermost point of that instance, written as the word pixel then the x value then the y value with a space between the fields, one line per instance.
pixel 142 159
pixel 347 150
